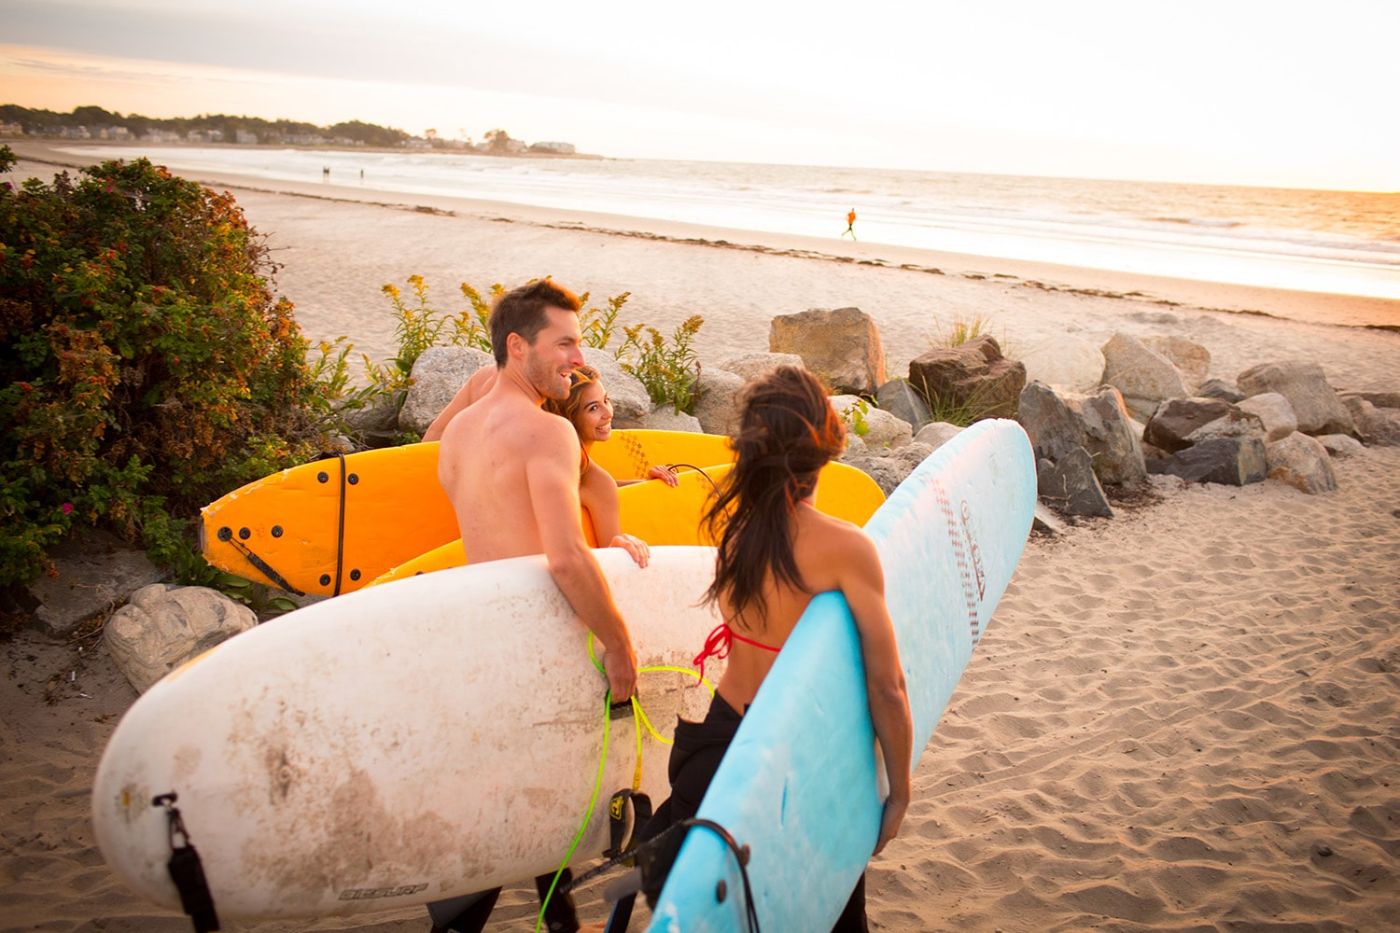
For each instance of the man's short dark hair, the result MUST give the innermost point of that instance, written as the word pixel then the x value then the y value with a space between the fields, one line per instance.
pixel 522 311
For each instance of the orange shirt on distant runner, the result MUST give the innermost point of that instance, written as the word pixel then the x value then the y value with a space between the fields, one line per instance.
pixel 851 219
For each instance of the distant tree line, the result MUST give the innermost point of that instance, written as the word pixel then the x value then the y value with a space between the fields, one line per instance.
pixel 40 122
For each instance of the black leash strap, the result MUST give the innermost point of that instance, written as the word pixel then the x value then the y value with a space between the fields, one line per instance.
pixel 186 871
pixel 653 859
pixel 340 526
pixel 264 567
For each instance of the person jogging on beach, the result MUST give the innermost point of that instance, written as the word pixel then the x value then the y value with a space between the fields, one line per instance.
pixel 511 471
pixel 850 224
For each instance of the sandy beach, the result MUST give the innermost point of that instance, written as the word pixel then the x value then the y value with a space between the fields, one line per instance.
pixel 1183 718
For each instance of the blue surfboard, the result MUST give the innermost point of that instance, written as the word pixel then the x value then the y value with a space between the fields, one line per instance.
pixel 801 783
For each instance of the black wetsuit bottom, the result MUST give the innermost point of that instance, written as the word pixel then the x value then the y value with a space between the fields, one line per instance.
pixel 469 914
pixel 695 757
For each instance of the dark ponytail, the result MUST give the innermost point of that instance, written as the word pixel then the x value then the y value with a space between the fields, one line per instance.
pixel 788 432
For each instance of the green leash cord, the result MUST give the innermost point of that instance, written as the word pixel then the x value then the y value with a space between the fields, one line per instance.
pixel 639 720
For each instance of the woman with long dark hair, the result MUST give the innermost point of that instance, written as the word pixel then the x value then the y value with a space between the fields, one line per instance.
pixel 776 552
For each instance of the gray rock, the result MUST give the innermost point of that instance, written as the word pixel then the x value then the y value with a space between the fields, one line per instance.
pixel 936 434
pixel 1054 429
pixel 1066 362
pixel 1235 423
pixel 1232 461
pixel 666 418
pixel 974 377
pixel 163 627
pixel 1110 438
pixel 630 400
pixel 1301 462
pixel 1219 388
pixel 718 406
pixel 912 453
pixel 887 471
pixel 1274 411
pixel 1191 359
pixel 1377 427
pixel 1378 399
pixel 379 416
pixel 899 399
pixel 1314 402
pixel 1341 445
pixel 882 429
pixel 841 347
pixel 750 366
pixel 1144 376
pixel 1070 485
pixel 437 375
pixel 1171 426
pixel 95 573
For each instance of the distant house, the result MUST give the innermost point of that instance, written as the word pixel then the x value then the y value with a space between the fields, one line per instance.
pixel 161 136
pixel 74 132
pixel 554 148
pixel 306 139
pixel 417 142
pixel 245 137
pixel 11 129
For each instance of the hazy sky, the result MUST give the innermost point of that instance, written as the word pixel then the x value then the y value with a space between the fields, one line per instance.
pixel 1270 92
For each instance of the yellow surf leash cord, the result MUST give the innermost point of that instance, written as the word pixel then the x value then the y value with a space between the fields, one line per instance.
pixel 639 720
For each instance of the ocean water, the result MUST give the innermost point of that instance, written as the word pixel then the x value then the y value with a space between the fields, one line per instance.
pixel 1344 243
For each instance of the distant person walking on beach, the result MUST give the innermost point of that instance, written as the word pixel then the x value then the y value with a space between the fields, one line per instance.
pixel 850 224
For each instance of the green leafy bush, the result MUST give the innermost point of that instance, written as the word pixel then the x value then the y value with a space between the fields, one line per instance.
pixel 146 367
pixel 668 369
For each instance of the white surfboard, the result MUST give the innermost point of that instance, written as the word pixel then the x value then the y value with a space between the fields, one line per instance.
pixel 404 743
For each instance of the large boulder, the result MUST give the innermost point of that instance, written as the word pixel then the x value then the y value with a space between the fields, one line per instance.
pixel 1067 362
pixel 879 429
pixel 1231 461
pixel 1053 428
pixel 666 418
pixel 1341 445
pixel 841 346
pixel 93 572
pixel 1069 485
pixel 1314 402
pixel 751 366
pixel 437 375
pixel 1219 388
pixel 162 627
pixel 888 468
pixel 973 377
pixel 1301 462
pixel 378 417
pixel 1172 424
pixel 1181 422
pixel 1110 437
pixel 1191 359
pixel 718 406
pixel 630 400
pixel 1145 377
pixel 1379 427
pixel 1378 399
pixel 1274 411
pixel 899 399
pixel 936 434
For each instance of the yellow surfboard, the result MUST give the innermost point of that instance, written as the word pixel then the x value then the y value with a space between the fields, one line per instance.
pixel 331 526
pixel 660 514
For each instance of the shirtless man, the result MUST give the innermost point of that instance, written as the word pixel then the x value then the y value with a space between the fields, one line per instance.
pixel 511 471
